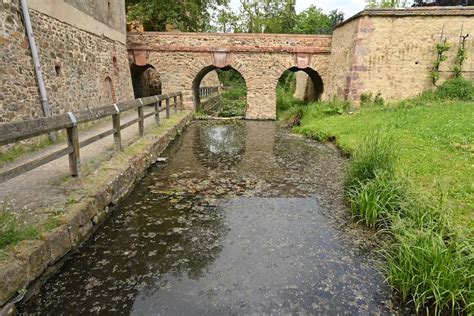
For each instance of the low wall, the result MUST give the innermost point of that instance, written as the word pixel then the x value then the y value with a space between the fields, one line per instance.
pixel 30 259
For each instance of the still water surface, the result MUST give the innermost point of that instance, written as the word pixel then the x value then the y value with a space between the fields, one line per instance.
pixel 244 218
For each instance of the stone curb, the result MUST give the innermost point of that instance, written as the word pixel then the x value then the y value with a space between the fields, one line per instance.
pixel 31 258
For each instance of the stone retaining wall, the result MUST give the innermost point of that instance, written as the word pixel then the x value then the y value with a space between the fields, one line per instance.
pixel 31 258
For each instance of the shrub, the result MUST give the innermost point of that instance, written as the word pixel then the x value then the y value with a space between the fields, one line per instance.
pixel 456 89
pixel 292 117
pixel 234 92
pixel 376 155
pixel 368 99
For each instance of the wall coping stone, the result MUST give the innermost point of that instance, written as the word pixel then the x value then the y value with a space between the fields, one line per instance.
pixel 410 12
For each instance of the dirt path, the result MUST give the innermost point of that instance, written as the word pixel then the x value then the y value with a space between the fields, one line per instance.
pixel 39 189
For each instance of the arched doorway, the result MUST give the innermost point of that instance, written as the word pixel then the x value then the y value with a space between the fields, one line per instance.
pixel 230 97
pixel 146 81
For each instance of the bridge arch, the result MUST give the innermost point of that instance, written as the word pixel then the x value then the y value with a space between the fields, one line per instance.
pixel 146 80
pixel 312 84
pixel 197 81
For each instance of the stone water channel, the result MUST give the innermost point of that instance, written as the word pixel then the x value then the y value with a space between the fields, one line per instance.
pixel 243 218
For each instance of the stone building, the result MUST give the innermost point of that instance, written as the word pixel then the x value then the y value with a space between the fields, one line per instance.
pixel 82 51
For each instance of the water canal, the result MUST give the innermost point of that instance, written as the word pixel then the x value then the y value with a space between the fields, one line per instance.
pixel 243 218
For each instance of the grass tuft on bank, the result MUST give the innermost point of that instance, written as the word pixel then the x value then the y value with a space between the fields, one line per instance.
pixel 410 177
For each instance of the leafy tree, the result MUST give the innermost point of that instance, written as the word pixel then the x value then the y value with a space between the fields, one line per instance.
pixel 314 21
pixel 185 15
pixel 421 3
pixel 267 16
pixel 386 3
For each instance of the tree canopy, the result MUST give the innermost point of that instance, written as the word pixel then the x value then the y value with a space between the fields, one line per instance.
pixel 276 16
pixel 253 16
pixel 184 15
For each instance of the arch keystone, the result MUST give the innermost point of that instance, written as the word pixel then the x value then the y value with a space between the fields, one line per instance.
pixel 303 60
pixel 221 58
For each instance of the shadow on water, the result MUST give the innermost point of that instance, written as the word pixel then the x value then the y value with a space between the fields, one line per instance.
pixel 243 218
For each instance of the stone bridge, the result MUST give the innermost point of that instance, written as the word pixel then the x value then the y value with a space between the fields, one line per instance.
pixel 183 59
pixel 386 51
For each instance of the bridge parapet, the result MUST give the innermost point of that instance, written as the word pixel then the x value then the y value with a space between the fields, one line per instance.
pixel 229 42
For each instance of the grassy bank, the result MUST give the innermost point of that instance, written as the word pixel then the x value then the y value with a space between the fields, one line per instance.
pixel 411 177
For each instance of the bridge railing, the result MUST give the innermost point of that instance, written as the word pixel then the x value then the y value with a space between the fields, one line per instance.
pixel 17 131
pixel 207 91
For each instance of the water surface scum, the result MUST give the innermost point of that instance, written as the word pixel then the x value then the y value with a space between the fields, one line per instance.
pixel 244 218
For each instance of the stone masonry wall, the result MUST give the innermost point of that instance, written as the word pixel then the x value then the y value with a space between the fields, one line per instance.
pixel 80 69
pixel 392 51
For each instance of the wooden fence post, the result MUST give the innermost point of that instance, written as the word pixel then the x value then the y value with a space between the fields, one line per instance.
pixel 141 122
pixel 117 130
pixel 175 100
pixel 73 144
pixel 157 111
pixel 167 107
pixel 181 101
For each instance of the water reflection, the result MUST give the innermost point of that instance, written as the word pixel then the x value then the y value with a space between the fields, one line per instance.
pixel 242 219
pixel 220 142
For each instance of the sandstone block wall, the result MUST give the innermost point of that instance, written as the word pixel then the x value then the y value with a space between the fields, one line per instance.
pixel 392 51
pixel 82 67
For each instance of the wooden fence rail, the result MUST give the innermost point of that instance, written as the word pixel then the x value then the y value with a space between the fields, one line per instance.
pixel 207 91
pixel 17 131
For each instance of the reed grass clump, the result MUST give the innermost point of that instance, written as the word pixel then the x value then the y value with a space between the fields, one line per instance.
pixel 428 261
pixel 376 156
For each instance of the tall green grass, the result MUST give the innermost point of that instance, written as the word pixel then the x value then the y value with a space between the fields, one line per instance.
pixel 426 260
pixel 432 269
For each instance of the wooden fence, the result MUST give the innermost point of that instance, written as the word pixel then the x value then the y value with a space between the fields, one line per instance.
pixel 207 91
pixel 17 131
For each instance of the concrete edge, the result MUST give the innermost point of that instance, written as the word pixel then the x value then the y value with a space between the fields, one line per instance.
pixel 32 258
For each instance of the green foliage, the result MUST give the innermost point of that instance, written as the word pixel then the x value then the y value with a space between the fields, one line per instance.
pixel 19 149
pixel 314 21
pixel 372 4
pixel 373 202
pixel 431 269
pixel 368 99
pixel 13 227
pixel 461 57
pixel 429 260
pixel 230 77
pixel 190 15
pixel 441 48
pixel 276 16
pixel 376 156
pixel 456 89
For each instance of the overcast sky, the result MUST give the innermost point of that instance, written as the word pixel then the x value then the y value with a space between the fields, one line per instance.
pixel 349 7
